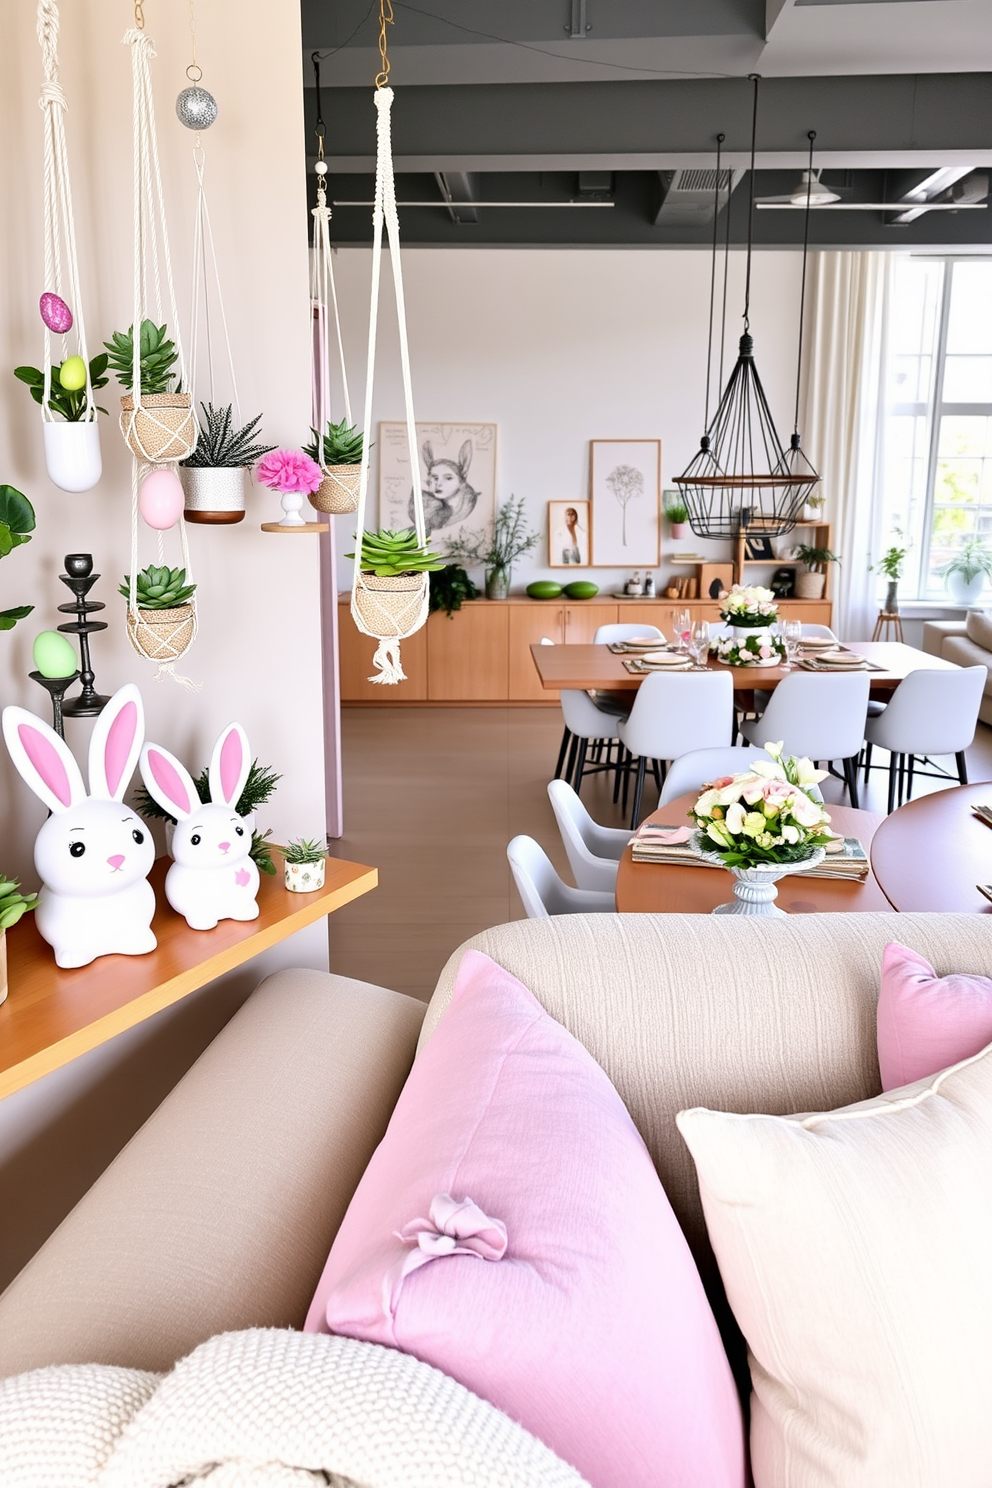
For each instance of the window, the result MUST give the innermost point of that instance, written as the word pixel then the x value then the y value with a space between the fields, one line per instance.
pixel 936 439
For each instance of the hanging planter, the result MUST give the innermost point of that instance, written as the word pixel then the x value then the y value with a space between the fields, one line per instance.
pixel 338 491
pixel 214 475
pixel 161 621
pixel 72 455
pixel 339 455
pixel 161 428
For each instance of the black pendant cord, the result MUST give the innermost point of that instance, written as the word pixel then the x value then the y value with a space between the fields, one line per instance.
pixel 811 136
pixel 319 127
pixel 709 340
pixel 726 277
pixel 755 78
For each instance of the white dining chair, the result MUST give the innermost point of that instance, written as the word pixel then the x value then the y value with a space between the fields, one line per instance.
pixel 813 632
pixel 817 715
pixel 608 635
pixel 673 715
pixel 931 712
pixel 542 892
pixel 594 852
pixel 690 772
pixel 586 721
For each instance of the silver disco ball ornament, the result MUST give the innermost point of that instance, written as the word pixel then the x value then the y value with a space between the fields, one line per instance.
pixel 196 108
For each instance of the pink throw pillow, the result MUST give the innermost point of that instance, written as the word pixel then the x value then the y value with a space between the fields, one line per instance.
pixel 511 1230
pixel 927 1022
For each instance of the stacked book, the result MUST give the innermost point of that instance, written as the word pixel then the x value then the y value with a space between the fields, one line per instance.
pixel 655 842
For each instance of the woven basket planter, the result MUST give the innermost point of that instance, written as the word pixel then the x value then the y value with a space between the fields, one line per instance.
pixel 338 491
pixel 162 635
pixel 214 493
pixel 163 428
pixel 391 607
pixel 810 585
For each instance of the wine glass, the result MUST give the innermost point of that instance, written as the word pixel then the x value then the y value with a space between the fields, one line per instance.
pixel 792 634
pixel 699 641
pixel 682 628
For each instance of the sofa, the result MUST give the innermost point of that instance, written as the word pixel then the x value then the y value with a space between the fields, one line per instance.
pixel 219 1213
pixel 966 642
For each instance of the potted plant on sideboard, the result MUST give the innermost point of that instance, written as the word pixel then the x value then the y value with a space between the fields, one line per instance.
pixel 304 865
pixel 163 427
pixel 965 573
pixel 72 440
pixel 213 476
pixel 340 460
pixel 812 583
pixel 497 552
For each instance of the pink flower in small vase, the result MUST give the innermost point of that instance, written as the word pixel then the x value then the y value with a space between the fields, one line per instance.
pixel 289 470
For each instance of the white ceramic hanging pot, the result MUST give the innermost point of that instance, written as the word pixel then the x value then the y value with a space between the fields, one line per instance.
pixel 214 493
pixel 72 454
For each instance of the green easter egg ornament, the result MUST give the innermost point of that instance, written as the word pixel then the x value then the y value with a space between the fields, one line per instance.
pixel 544 589
pixel 582 589
pixel 72 374
pixel 54 656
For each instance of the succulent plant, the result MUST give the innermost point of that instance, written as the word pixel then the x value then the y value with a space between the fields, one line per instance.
pixel 13 904
pixel 158 358
pixel 159 588
pixel 220 445
pixel 69 402
pixel 342 445
pixel 388 554
pixel 302 850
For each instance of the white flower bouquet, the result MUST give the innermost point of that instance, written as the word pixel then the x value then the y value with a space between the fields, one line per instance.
pixel 765 815
pixel 749 607
pixel 760 649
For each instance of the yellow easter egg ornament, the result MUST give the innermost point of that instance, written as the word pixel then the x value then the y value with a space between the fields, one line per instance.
pixel 72 374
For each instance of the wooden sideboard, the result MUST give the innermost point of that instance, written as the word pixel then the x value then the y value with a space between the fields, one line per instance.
pixel 480 655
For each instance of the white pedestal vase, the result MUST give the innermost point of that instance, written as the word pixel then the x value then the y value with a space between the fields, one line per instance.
pixel 72 454
pixel 214 494
pixel 754 888
pixel 963 591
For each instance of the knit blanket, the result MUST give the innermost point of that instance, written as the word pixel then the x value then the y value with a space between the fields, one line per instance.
pixel 265 1409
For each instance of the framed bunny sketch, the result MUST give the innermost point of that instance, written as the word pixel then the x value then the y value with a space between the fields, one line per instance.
pixel 457 473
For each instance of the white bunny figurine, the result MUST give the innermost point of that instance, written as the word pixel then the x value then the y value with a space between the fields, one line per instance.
pixel 213 877
pixel 93 854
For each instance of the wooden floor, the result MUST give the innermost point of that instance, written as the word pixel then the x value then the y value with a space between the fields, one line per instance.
pixel 433 795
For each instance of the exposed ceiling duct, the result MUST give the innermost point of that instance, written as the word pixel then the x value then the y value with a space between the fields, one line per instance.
pixel 686 196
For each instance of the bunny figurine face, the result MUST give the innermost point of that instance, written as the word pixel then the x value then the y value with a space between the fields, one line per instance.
pixel 93 854
pixel 212 877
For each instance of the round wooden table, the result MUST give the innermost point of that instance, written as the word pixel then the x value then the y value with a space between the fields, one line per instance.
pixel 930 854
pixel 666 888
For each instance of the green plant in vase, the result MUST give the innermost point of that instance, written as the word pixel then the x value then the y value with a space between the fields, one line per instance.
pixel 678 517
pixel 160 424
pixel 966 571
pixel 304 861
pixel 497 550
pixel 891 564
pixel 67 395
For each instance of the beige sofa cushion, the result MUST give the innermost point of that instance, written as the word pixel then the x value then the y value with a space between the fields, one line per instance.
pixel 854 1246
pixel 978 626
pixel 965 652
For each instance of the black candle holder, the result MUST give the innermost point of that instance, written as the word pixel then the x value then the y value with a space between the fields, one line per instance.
pixel 56 687
pixel 80 578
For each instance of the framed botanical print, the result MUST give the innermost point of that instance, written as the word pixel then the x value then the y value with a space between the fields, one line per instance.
pixel 457 474
pixel 625 491
pixel 568 534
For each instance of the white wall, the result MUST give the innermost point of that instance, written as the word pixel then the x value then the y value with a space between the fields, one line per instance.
pixel 560 347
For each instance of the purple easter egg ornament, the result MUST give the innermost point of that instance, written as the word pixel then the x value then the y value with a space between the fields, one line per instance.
pixel 55 312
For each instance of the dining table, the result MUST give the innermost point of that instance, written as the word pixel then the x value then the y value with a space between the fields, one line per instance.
pixel 933 852
pixel 671 888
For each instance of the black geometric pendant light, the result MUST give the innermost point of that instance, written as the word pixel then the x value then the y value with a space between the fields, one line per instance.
pixel 742 474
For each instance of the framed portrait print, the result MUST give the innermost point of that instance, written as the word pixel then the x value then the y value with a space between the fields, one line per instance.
pixel 457 473
pixel 568 534
pixel 625 491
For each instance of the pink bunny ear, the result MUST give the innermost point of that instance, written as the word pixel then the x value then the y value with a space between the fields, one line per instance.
pixel 43 760
pixel 229 765
pixel 168 782
pixel 116 743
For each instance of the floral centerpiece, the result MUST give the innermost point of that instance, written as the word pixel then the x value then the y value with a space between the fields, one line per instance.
pixel 749 607
pixel 762 824
pixel 760 648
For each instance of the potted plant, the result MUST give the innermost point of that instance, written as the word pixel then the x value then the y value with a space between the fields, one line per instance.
pixel 13 904
pixel 678 516
pixel 164 426
pixel 763 824
pixel 16 526
pixel 165 623
pixel 450 587
pixel 304 864
pixel 340 459
pixel 811 584
pixel 394 568
pixel 761 648
pixel 72 441
pixel 258 789
pixel 497 553
pixel 294 475
pixel 814 506
pixel 213 476
pixel 890 564
pixel 965 573
pixel 748 607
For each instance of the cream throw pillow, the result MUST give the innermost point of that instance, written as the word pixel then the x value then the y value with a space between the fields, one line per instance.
pixel 978 628
pixel 856 1250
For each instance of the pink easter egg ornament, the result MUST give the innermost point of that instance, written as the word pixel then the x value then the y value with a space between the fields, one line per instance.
pixel 161 500
pixel 55 312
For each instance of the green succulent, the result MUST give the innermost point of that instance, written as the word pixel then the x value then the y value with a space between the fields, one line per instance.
pixel 302 850
pixel 220 445
pixel 71 404
pixel 13 904
pixel 388 554
pixel 16 525
pixel 159 588
pixel 342 445
pixel 158 358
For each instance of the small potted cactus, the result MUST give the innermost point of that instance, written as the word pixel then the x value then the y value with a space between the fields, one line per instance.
pixel 72 440
pixel 213 476
pixel 165 622
pixel 13 904
pixel 163 425
pixel 340 458
pixel 303 862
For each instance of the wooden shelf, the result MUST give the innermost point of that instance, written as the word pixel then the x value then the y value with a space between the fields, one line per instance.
pixel 296 527
pixel 821 539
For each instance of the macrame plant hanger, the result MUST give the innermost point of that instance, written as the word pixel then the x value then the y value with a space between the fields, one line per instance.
pixel 388 609
pixel 338 492
pixel 72 450
pixel 159 428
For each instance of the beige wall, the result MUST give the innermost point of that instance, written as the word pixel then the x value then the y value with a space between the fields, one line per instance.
pixel 258 652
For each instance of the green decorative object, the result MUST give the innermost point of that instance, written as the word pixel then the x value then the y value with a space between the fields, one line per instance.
pixel 582 589
pixel 304 850
pixel 159 588
pixel 450 588
pixel 54 656
pixel 157 355
pixel 544 589
pixel 222 446
pixel 342 445
pixel 388 554
pixel 70 402
pixel 13 904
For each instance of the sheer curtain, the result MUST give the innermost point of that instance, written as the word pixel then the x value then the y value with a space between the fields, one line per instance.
pixel 843 418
